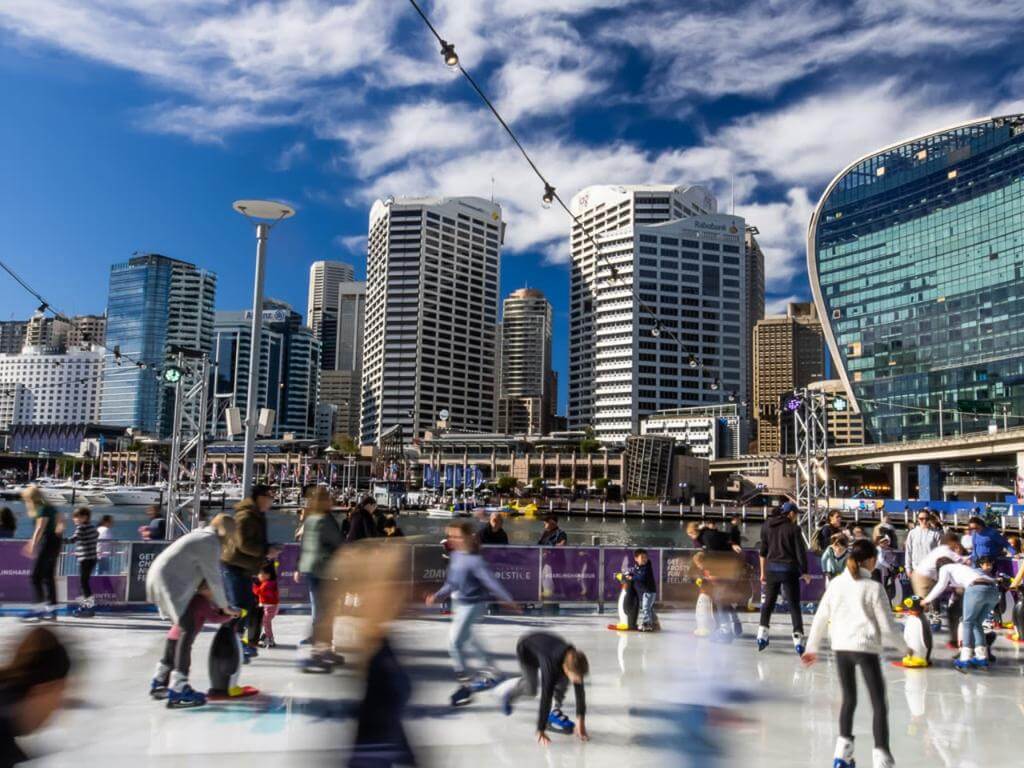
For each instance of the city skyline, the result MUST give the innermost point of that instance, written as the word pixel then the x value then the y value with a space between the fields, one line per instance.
pixel 172 149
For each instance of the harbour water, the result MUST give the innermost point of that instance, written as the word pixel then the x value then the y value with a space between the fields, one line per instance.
pixel 522 530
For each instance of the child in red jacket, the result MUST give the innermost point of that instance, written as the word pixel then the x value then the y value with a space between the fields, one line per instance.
pixel 266 591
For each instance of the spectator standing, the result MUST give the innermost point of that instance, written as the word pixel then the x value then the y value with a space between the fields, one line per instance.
pixel 885 528
pixel 552 536
pixel 104 549
pixel 156 528
pixel 363 523
pixel 986 541
pixel 494 532
pixel 921 540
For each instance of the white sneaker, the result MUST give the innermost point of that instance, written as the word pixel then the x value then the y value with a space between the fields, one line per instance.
pixel 882 759
pixel 844 749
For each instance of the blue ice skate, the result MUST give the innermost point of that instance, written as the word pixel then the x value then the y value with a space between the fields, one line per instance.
pixel 840 763
pixel 558 721
pixel 158 688
pixel 464 694
pixel 186 697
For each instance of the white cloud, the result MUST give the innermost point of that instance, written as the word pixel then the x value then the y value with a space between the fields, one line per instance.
pixel 290 155
pixel 776 305
pixel 783 238
pixel 354 244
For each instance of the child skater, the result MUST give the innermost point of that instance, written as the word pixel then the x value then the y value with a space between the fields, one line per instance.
pixel 85 538
pixel 642 577
pixel 833 561
pixel 981 596
pixel 173 582
pixel 266 591
pixel 558 663
pixel 472 585
pixel 855 612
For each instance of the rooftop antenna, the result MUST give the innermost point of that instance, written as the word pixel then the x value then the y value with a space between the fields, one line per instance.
pixel 492 189
pixel 732 195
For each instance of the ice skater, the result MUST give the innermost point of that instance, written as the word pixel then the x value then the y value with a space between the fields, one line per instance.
pixel 856 614
pixel 44 546
pixel 85 539
pixel 641 575
pixel 472 586
pixel 269 598
pixel 981 595
pixel 557 663
pixel 173 583
pixel 783 557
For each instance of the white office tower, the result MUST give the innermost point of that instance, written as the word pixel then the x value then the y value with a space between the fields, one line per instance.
pixel 325 278
pixel 432 273
pixel 528 397
pixel 667 249
pixel 38 386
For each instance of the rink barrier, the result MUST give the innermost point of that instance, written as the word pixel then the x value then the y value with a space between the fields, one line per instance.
pixel 531 574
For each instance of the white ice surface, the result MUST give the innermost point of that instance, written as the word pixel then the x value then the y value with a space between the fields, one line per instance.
pixel 646 697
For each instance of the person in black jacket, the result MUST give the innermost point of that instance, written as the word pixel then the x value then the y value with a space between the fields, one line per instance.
pixel 783 563
pixel 494 532
pixel 363 523
pixel 558 663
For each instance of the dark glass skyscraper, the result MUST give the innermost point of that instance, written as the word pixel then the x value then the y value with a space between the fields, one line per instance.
pixel 916 259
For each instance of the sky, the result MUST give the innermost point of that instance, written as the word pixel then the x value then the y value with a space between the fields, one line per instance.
pixel 132 125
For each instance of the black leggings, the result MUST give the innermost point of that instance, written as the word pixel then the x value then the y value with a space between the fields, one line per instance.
pixel 178 653
pixel 85 569
pixel 44 572
pixel 789 583
pixel 871 669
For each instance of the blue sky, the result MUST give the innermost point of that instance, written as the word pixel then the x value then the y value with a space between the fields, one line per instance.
pixel 131 125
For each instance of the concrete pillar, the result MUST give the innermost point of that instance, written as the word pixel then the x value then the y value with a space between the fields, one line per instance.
pixel 900 480
pixel 929 482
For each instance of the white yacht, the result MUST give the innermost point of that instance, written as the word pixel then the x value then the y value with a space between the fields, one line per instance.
pixel 134 495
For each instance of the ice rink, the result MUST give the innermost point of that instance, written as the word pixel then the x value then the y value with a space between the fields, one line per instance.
pixel 664 699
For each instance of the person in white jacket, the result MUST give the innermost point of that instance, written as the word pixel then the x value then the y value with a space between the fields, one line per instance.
pixel 857 616
pixel 173 582
pixel 920 541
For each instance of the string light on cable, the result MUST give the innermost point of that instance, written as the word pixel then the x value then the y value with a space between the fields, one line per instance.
pixel 451 58
pixel 549 196
pixel 656 330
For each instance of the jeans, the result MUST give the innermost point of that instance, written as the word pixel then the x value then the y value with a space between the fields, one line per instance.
pixel 979 600
pixel 464 616
pixel 238 586
pixel 788 582
pixel 44 571
pixel 85 570
pixel 647 609
pixel 321 633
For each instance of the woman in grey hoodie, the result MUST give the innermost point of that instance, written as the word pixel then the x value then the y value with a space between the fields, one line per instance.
pixel 173 583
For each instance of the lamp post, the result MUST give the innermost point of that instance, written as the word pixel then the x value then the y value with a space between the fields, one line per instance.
pixel 264 214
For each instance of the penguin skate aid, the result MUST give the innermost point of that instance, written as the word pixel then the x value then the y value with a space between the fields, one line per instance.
pixel 548 664
pixel 637 595
pixel 857 617
pixel 185 583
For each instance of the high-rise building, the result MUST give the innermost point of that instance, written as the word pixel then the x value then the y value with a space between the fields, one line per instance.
pixel 289 368
pixel 12 336
pixel 708 431
pixel 658 315
pixel 154 304
pixel 528 398
pixel 914 254
pixel 755 299
pixel 325 277
pixel 339 385
pixel 844 426
pixel 609 213
pixel 38 386
pixel 58 334
pixel 432 275
pixel 789 353
pixel 87 330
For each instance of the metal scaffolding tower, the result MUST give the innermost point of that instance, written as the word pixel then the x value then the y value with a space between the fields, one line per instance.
pixel 810 422
pixel 188 439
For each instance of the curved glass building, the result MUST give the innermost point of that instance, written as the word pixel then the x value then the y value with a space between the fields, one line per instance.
pixel 916 260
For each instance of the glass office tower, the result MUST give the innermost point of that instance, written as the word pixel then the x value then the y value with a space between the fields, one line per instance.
pixel 915 255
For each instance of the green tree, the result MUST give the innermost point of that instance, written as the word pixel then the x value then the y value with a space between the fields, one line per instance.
pixel 506 484
pixel 588 444
pixel 345 444
pixel 568 483
pixel 601 484
pixel 537 485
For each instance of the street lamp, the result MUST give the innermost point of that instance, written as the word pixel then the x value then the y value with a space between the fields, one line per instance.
pixel 264 214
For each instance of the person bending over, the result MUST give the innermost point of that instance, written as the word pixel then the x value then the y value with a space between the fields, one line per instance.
pixel 557 663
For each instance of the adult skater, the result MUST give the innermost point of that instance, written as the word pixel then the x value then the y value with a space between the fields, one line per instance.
pixel 472 585
pixel 173 583
pixel 245 551
pixel 783 557
pixel 321 537
pixel 856 614
pixel 921 540
pixel 981 595
pixel 44 546
pixel 557 663
pixel 986 541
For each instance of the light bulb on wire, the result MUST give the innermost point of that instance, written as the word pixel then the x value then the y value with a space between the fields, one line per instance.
pixel 692 361
pixel 715 384
pixel 549 196
pixel 451 58
pixel 656 330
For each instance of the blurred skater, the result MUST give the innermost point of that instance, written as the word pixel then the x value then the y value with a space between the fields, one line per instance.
pixel 44 546
pixel 472 585
pixel 321 537
pixel 856 614
pixel 85 539
pixel 173 583
pixel 556 663
pixel 269 598
pixel 32 688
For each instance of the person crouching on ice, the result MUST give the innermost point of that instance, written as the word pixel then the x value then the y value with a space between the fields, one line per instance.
pixel 174 583
pixel 558 663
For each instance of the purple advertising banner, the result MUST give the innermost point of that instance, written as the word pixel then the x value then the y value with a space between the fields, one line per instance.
pixel 290 590
pixel 516 568
pixel 106 590
pixel 429 567
pixel 569 574
pixel 618 559
pixel 15 573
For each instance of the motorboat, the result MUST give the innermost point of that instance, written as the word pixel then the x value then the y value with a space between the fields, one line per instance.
pixel 134 495
pixel 446 513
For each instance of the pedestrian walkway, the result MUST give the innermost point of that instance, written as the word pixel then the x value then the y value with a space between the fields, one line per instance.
pixel 654 699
